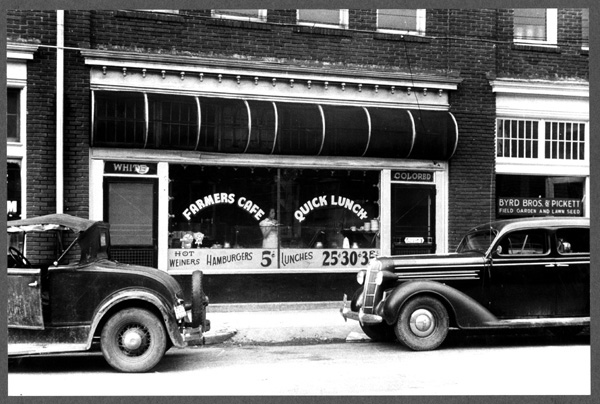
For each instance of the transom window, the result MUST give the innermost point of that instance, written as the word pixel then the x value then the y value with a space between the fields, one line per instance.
pixel 535 25
pixel 242 14
pixel 533 139
pixel 323 18
pixel 401 20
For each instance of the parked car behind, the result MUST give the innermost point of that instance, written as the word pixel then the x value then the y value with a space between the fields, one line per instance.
pixel 67 293
pixel 520 273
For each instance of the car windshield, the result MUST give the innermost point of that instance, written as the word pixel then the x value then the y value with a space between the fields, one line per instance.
pixel 477 241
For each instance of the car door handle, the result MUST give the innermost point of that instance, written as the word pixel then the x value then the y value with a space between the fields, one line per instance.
pixel 550 265
pixel 33 284
pixel 562 265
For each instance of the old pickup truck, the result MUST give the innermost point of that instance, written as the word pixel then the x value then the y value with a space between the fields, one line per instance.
pixel 65 294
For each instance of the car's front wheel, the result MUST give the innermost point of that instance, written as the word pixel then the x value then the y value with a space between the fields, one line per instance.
pixel 423 323
pixel 133 340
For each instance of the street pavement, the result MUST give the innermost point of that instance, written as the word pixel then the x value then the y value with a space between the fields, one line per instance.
pixel 280 323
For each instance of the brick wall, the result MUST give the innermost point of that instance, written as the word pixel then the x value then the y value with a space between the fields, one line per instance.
pixel 475 44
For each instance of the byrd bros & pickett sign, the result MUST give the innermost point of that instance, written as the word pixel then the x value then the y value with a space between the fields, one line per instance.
pixel 540 207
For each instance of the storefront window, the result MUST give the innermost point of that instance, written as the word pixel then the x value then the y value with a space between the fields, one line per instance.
pixel 272 218
pixel 537 195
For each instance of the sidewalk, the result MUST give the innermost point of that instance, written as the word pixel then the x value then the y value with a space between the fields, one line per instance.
pixel 280 324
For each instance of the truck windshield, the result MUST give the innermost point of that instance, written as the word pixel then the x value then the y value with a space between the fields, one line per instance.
pixel 478 241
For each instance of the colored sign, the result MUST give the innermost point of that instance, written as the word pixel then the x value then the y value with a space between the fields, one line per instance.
pixel 257 258
pixel 412 176
pixel 539 207
pixel 127 167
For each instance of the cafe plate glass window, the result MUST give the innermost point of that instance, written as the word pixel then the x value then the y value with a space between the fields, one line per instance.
pixel 272 218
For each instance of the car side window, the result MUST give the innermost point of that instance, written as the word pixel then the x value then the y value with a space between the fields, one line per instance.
pixel 524 242
pixel 573 240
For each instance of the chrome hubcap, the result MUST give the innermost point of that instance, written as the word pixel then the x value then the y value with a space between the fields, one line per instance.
pixel 422 322
pixel 132 339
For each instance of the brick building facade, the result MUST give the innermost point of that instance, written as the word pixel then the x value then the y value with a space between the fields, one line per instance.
pixel 472 73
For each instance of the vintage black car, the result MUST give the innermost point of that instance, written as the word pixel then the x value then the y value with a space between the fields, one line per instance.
pixel 68 294
pixel 520 273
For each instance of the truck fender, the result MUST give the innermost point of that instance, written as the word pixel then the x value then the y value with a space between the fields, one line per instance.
pixel 168 317
pixel 466 311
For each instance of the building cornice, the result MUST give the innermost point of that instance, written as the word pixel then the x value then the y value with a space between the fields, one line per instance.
pixel 20 51
pixel 572 89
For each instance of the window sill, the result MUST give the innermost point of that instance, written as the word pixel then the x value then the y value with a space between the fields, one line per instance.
pixel 536 47
pixel 386 36
pixel 149 15
pixel 302 29
pixel 234 23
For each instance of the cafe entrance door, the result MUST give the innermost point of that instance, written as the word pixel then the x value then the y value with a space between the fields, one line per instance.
pixel 130 206
pixel 413 219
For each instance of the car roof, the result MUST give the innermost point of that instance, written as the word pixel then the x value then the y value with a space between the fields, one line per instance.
pixel 529 222
pixel 58 221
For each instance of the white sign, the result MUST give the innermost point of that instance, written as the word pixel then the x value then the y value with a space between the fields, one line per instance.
pixel 256 258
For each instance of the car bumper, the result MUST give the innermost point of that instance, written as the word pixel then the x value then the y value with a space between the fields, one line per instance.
pixel 360 316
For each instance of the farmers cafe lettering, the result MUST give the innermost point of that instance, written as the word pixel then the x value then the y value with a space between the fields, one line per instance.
pixel 539 207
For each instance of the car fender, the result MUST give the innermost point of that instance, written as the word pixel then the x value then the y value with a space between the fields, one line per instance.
pixel 145 295
pixel 466 311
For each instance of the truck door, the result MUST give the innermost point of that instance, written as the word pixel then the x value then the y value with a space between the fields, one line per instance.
pixel 24 309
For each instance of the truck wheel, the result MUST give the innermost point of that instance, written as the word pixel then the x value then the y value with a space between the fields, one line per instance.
pixel 379 332
pixel 422 324
pixel 133 340
pixel 198 308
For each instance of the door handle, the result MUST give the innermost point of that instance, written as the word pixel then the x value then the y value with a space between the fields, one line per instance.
pixel 550 265
pixel 33 284
pixel 562 265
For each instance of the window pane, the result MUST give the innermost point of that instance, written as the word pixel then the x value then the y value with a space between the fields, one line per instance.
pixel 216 210
pixel 397 19
pixel 300 129
pixel 573 241
pixel 12 114
pixel 526 242
pixel 224 125
pixel 173 121
pixel 249 13
pixel 320 16
pixel 131 213
pixel 119 119
pixel 530 24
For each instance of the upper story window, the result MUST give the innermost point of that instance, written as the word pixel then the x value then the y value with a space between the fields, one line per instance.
pixel 585 28
pixel 323 18
pixel 13 101
pixel 242 14
pixel 535 26
pixel 541 139
pixel 410 21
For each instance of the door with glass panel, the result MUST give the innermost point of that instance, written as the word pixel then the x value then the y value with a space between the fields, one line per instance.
pixel 413 219
pixel 130 206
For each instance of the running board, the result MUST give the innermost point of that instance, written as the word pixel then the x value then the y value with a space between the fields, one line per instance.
pixel 43 349
pixel 537 323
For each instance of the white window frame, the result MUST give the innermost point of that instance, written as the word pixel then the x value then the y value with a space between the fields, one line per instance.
pixel 421 24
pixel 261 16
pixel 343 21
pixel 551 31
pixel 585 45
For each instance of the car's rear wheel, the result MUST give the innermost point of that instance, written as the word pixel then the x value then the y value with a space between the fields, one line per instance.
pixel 379 332
pixel 423 323
pixel 133 340
pixel 198 307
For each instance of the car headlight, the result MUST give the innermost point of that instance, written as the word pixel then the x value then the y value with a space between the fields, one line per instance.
pixel 360 277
